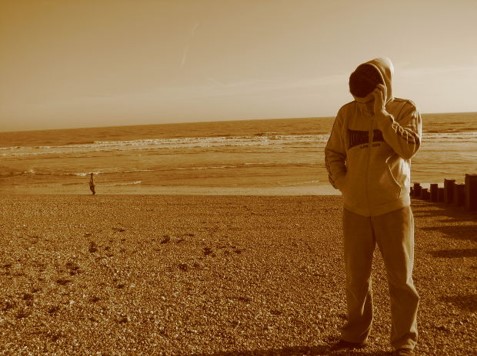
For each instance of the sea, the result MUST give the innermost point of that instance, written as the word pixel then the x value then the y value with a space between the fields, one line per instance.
pixel 253 157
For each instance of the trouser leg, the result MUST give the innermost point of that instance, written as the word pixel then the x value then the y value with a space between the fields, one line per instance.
pixel 359 245
pixel 395 238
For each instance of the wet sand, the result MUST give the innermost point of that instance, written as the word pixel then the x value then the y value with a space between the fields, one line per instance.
pixel 212 275
pixel 104 189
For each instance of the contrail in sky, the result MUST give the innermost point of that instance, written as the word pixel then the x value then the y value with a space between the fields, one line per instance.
pixel 185 52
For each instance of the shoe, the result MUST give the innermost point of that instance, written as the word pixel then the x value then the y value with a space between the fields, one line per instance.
pixel 403 352
pixel 343 345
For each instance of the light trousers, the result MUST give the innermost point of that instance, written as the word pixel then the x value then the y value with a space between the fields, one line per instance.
pixel 394 234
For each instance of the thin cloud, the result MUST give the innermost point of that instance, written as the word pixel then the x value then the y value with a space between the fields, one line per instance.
pixel 185 51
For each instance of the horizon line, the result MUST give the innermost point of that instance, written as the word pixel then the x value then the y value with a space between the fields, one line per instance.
pixel 214 121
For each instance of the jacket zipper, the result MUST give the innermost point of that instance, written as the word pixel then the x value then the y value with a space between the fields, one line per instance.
pixel 370 143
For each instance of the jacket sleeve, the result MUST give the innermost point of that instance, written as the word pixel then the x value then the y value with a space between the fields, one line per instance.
pixel 335 154
pixel 403 132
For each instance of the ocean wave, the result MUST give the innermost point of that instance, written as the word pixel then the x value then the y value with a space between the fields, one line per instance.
pixel 450 137
pixel 59 173
pixel 136 182
pixel 263 140
pixel 204 142
pixel 122 173
pixel 166 144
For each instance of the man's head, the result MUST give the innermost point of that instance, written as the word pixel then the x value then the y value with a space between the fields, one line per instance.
pixel 364 80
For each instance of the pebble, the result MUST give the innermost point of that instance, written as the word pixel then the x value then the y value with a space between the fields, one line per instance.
pixel 214 280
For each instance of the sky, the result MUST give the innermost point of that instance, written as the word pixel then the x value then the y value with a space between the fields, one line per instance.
pixel 90 63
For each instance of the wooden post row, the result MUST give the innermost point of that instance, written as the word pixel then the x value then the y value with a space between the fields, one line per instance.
pixel 452 193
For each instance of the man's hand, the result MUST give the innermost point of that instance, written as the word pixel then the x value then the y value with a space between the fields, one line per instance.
pixel 380 94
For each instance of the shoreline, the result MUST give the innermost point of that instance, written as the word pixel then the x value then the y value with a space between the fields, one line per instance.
pixel 213 275
pixel 56 189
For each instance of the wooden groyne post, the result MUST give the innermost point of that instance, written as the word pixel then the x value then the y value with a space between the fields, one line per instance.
pixel 434 192
pixel 471 191
pixel 416 190
pixel 451 194
pixel 449 190
pixel 459 194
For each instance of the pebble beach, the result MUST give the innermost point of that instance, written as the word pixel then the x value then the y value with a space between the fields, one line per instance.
pixel 213 275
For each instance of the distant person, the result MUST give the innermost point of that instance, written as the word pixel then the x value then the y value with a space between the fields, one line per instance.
pixel 368 158
pixel 91 184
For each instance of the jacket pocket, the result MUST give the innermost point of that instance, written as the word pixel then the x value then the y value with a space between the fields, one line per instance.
pixel 354 192
pixel 390 182
pixel 341 183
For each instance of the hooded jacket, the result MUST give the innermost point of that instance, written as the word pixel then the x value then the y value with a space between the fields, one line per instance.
pixel 368 157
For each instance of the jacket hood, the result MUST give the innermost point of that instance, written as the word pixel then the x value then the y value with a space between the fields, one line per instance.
pixel 386 69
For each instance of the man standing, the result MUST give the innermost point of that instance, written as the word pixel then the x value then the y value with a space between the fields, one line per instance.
pixel 368 158
pixel 92 186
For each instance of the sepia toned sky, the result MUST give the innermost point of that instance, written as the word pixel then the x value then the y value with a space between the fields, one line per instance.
pixel 82 63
